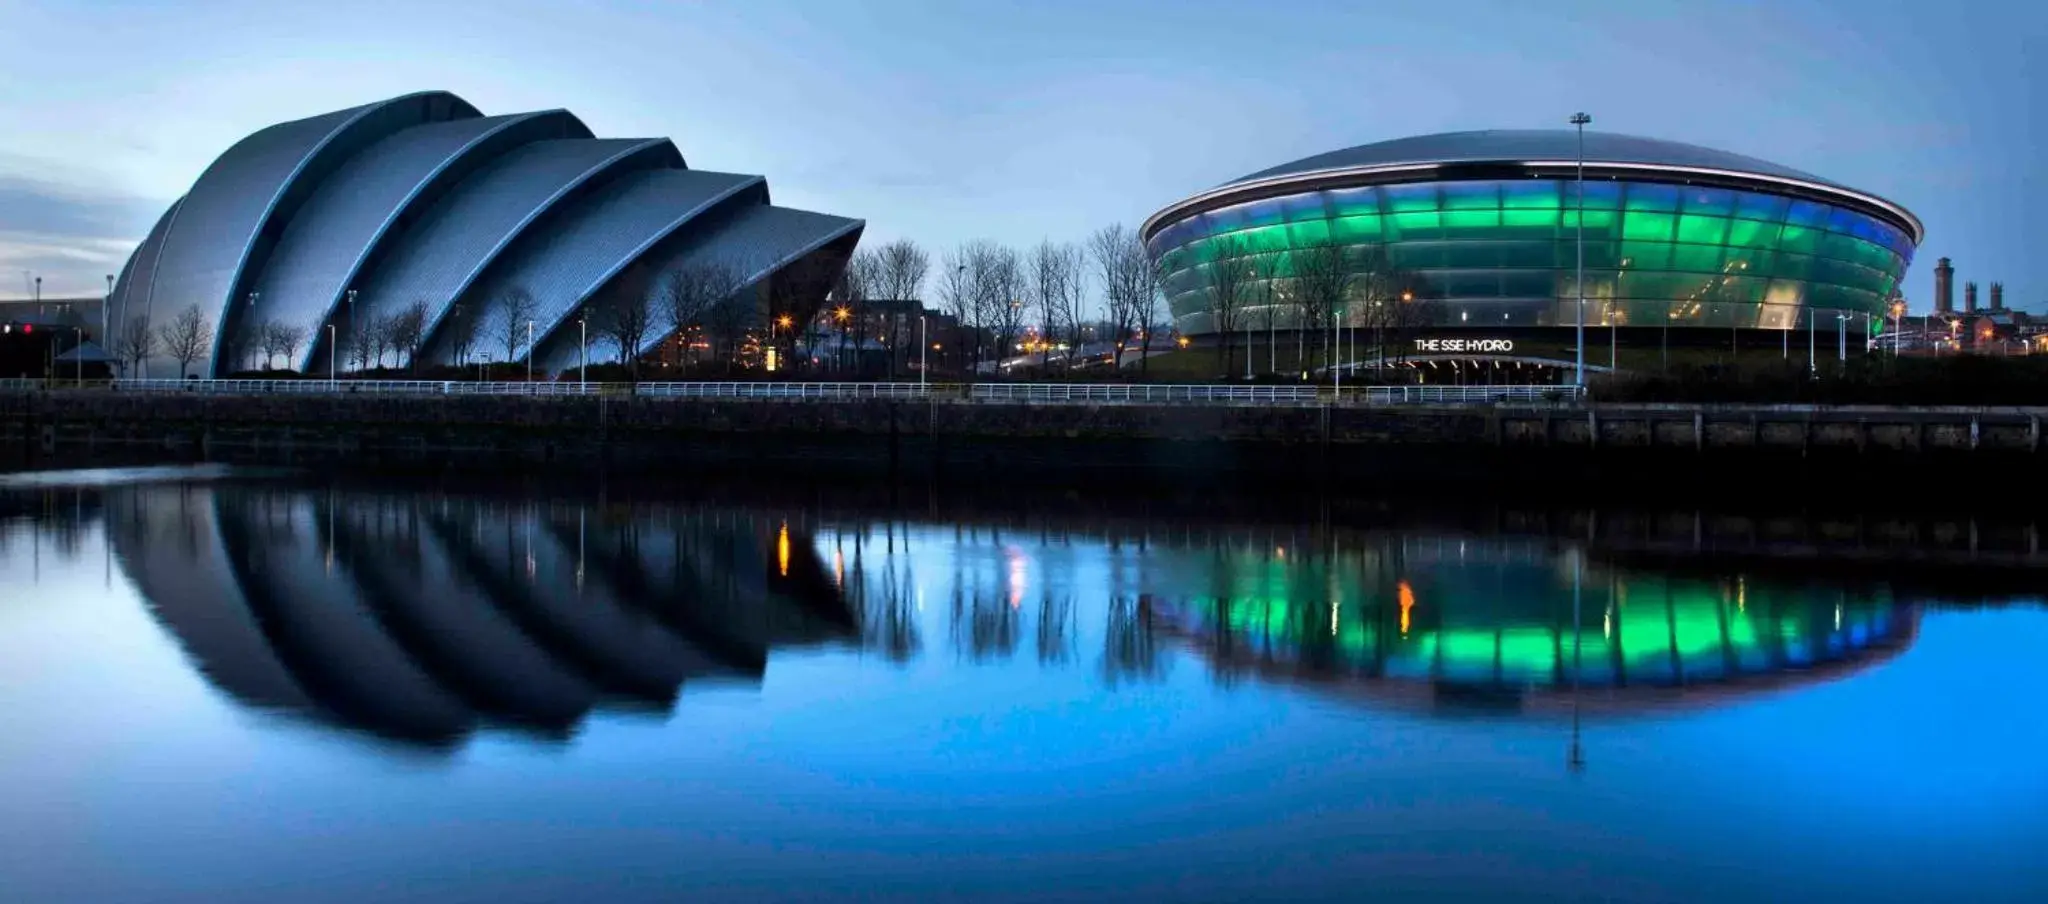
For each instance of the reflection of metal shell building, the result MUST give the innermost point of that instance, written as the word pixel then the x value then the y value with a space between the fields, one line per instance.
pixel 423 199
pixel 1486 224
pixel 423 622
pixel 1482 626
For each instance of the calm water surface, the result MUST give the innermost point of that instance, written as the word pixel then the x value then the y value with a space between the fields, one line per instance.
pixel 221 688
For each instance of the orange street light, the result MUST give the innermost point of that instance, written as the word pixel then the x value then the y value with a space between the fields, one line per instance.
pixel 842 314
pixel 784 321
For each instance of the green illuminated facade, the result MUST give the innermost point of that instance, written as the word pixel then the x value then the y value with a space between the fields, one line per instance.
pixel 1486 227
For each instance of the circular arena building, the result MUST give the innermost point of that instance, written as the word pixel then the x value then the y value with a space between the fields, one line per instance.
pixel 502 238
pixel 1469 241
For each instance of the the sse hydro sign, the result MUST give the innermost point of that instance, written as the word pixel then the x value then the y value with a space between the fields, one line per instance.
pixel 1459 346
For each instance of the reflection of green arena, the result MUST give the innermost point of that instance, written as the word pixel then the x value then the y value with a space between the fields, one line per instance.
pixel 1485 224
pixel 1503 622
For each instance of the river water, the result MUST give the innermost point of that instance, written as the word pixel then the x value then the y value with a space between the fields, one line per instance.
pixel 222 686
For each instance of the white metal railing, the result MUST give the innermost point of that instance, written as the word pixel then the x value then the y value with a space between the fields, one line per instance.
pixel 786 390
pixel 1130 392
pixel 1461 395
pixel 1051 393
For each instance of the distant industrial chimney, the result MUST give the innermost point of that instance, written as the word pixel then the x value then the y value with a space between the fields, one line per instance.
pixel 1944 287
pixel 1998 296
pixel 1969 298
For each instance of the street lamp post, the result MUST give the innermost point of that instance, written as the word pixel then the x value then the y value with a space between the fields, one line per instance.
pixel 106 313
pixel 332 349
pixel 529 352
pixel 1842 338
pixel 334 340
pixel 924 345
pixel 1579 120
pixel 78 354
pixel 582 355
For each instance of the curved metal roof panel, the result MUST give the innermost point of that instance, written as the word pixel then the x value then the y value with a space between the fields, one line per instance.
pixel 1516 145
pixel 439 256
pixel 587 245
pixel 131 293
pixel 329 237
pixel 218 225
pixel 756 241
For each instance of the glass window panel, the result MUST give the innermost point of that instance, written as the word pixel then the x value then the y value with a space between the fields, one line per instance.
pixel 1753 206
pixel 1702 230
pixel 1646 255
pixel 1537 194
pixel 1309 232
pixel 1263 213
pixel 1713 202
pixel 1471 195
pixel 1752 234
pixel 1599 196
pixel 1529 254
pixel 1410 198
pixel 1844 220
pixel 1807 213
pixel 1799 238
pixel 1347 202
pixel 1791 266
pixel 1416 255
pixel 1747 260
pixel 1840 247
pixel 1471 255
pixel 1653 285
pixel 1528 284
pixel 1418 225
pixel 1472 219
pixel 1743 289
pixel 1696 258
pixel 1304 207
pixel 1643 226
pixel 1598 222
pixel 1470 285
pixel 1356 230
pixel 1529 219
pixel 1648 196
pixel 1266 240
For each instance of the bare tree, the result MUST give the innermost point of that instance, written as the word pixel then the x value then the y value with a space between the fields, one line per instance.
pixel 1269 289
pixel 137 344
pixel 1226 286
pixel 957 285
pixel 624 315
pixel 361 331
pixel 1003 294
pixel 690 294
pixel 1059 289
pixel 850 294
pixel 903 267
pixel 519 306
pixel 408 330
pixel 378 337
pixel 1323 277
pixel 186 338
pixel 1130 287
pixel 287 337
pixel 277 339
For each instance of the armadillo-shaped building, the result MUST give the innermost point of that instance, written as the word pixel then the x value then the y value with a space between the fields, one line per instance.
pixel 356 216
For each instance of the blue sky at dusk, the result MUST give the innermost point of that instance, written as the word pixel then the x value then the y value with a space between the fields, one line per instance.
pixel 944 121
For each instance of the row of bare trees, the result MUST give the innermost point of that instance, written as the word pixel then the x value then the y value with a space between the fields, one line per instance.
pixel 1326 287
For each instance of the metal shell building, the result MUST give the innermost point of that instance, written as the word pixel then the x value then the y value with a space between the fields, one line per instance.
pixel 361 213
pixel 1486 224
